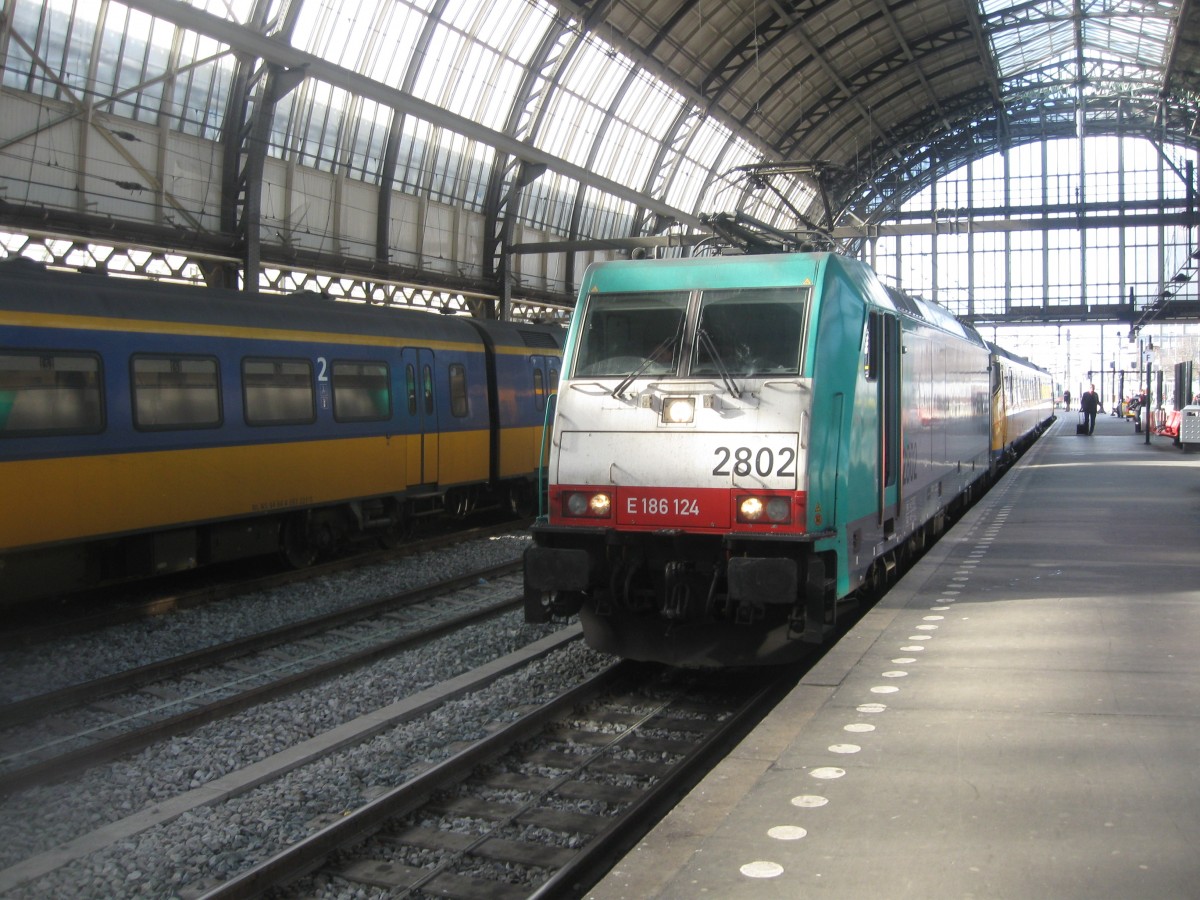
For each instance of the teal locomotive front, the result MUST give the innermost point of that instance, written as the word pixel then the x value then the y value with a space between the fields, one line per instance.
pixel 740 444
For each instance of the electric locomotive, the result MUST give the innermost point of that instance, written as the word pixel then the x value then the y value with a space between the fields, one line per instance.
pixel 148 428
pixel 742 442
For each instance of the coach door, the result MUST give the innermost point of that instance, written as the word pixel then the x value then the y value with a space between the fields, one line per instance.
pixel 422 409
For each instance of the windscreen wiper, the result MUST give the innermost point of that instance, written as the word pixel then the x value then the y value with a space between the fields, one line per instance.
pixel 722 370
pixel 633 376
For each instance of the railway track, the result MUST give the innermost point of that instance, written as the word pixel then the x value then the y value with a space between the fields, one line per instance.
pixel 93 611
pixel 541 807
pixel 55 735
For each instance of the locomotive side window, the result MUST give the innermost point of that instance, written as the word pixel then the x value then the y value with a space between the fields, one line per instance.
pixel 623 333
pixel 50 393
pixel 361 392
pixel 278 391
pixel 175 392
pixel 458 390
pixel 427 381
pixel 872 342
pixel 750 332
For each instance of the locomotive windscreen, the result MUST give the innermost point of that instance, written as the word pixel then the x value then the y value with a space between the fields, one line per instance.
pixel 741 332
pixel 751 331
pixel 623 332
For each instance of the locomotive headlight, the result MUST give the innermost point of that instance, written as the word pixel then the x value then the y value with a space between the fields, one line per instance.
pixel 750 509
pixel 776 510
pixel 580 504
pixel 679 410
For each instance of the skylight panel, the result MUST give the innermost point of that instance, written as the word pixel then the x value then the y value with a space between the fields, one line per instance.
pixel 1046 41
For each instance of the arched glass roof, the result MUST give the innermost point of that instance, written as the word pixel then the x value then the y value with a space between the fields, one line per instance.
pixel 430 137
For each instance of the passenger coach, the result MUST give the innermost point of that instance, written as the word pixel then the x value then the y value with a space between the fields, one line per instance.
pixel 148 427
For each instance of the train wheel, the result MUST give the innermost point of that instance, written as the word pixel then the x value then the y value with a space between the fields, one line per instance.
pixel 402 528
pixel 876 580
pixel 296 546
pixel 520 501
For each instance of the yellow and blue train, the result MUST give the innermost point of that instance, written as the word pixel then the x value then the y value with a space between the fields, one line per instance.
pixel 149 427
pixel 741 443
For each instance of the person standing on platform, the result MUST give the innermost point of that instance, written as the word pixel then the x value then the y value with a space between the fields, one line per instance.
pixel 1089 405
pixel 1067 400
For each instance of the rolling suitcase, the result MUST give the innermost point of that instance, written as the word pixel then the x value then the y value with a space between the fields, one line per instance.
pixel 1081 427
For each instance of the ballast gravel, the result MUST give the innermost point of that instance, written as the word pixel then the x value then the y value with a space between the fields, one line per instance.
pixel 207 844
pixel 41 669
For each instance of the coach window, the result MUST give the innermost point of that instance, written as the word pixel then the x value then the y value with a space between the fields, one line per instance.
pixel 175 392
pixel 278 391
pixel 50 393
pixel 458 390
pixel 539 388
pixel 361 392
pixel 427 378
pixel 410 380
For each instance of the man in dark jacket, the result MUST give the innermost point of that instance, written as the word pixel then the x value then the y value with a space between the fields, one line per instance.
pixel 1089 405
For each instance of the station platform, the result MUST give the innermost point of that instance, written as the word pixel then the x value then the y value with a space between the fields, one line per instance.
pixel 1018 717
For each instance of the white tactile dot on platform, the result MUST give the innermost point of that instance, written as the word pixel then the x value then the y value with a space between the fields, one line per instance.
pixel 787 832
pixel 904 660
pixel 913 649
pixel 762 869
pixel 827 773
pixel 927 628
pixel 933 618
pixel 895 673
pixel 871 707
pixel 884 689
pixel 809 801
pixel 844 748
pixel 858 727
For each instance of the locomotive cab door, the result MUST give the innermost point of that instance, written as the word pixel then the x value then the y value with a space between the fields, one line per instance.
pixel 883 368
pixel 422 408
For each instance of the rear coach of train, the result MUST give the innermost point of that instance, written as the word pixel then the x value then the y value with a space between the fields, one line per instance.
pixel 742 442
pixel 1022 404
